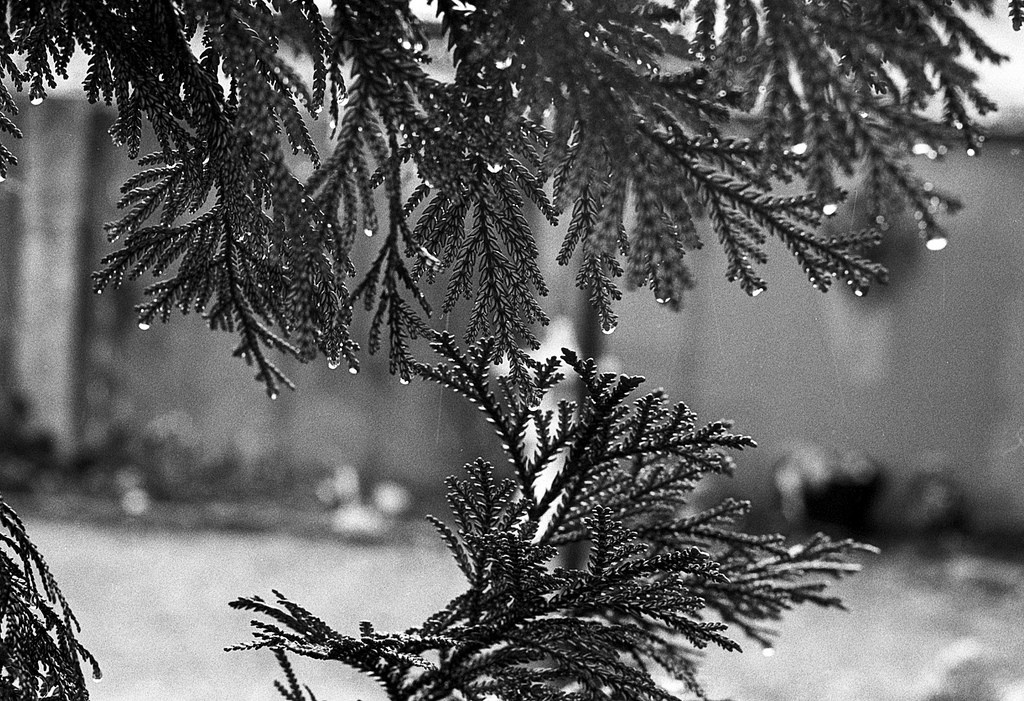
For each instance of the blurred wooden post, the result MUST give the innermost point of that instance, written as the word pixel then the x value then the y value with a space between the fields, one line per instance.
pixel 10 263
pixel 587 325
pixel 97 320
pixel 44 324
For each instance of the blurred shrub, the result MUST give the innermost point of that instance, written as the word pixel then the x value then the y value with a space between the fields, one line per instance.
pixel 164 459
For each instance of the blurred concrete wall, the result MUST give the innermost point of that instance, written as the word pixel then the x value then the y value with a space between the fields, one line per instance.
pixel 925 375
pixel 82 362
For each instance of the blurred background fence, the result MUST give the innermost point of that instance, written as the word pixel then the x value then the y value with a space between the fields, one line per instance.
pixel 924 378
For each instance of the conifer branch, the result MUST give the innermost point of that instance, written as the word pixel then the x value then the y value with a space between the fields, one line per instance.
pixel 656 588
pixel 40 655
pixel 626 110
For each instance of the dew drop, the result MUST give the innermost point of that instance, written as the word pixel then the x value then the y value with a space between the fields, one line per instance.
pixel 799 149
pixel 333 363
pixel 494 167
pixel 920 149
pixel 333 124
pixel 859 292
pixel 830 209
pixel 936 243
pixel 403 380
pixel 353 371
pixel 368 231
pixel 663 300
pixel 756 291
pixel 143 326
pixel 2 177
pixel 971 152
pixel 768 652
pixel 272 393
pixel 503 63
pixel 36 100
pixel 608 330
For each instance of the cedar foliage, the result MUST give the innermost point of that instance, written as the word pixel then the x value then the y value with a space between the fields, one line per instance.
pixel 617 116
pixel 611 474
pixel 39 653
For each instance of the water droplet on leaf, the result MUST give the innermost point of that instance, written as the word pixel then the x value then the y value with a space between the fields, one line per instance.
pixel 756 291
pixel 368 231
pixel 353 371
pixel 333 363
pixel 768 652
pixel 503 63
pixel 830 209
pixel 799 149
pixel 403 380
pixel 608 330
pixel 936 243
pixel 494 167
pixel 143 326
pixel 36 100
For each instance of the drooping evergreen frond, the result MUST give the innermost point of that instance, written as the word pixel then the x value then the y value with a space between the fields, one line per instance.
pixel 611 474
pixel 40 655
pixel 652 125
pixel 1016 14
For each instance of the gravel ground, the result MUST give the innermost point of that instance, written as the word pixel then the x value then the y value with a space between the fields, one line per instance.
pixel 153 608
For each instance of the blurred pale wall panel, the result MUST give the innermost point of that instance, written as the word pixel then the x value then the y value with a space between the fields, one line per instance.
pixel 925 374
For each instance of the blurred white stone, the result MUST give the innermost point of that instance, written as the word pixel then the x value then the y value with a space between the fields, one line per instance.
pixel 135 501
pixel 358 520
pixel 130 485
pixel 340 488
pixel 391 498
